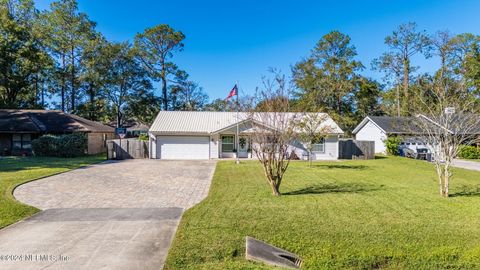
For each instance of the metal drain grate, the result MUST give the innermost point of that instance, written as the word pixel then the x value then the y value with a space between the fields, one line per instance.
pixel 294 260
pixel 260 251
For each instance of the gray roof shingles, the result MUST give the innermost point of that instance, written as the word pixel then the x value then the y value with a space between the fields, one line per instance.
pixel 409 125
pixel 397 125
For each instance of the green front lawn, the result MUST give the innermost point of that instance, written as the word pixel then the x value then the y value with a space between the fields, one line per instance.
pixel 18 170
pixel 375 214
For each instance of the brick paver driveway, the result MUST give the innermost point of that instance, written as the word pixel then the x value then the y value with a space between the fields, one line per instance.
pixel 113 215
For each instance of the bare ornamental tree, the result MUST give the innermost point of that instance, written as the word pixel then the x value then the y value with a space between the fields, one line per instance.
pixel 275 131
pixel 312 128
pixel 272 136
pixel 272 130
pixel 445 133
pixel 446 123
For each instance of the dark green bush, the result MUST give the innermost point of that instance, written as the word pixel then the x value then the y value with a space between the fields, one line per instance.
pixel 45 146
pixel 72 145
pixel 392 143
pixel 469 152
pixel 68 145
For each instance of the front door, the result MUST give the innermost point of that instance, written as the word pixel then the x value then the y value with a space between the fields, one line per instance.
pixel 243 145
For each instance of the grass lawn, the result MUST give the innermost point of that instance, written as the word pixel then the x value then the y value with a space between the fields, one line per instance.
pixel 375 214
pixel 18 170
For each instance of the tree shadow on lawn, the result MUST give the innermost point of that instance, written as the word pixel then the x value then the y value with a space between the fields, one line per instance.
pixel 335 188
pixel 466 191
pixel 16 164
pixel 340 166
pixel 22 165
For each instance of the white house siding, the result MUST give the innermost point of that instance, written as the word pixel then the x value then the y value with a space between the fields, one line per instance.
pixel 193 147
pixel 371 132
pixel 330 153
pixel 230 131
pixel 212 125
pixel 331 149
pixel 152 146
pixel 214 146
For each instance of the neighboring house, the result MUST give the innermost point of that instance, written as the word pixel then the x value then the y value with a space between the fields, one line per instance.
pixel 212 135
pixel 19 127
pixel 134 127
pixel 378 128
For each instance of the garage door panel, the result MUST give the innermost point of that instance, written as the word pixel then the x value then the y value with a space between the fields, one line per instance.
pixel 183 147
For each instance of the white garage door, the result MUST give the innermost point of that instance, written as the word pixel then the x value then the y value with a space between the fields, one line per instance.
pixel 183 147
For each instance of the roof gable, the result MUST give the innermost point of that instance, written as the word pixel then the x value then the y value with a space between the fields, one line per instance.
pixel 364 122
pixel 392 124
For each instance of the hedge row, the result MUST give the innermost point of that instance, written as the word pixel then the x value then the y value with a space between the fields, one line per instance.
pixel 469 152
pixel 68 145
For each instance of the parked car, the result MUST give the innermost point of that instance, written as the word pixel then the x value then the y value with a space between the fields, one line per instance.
pixel 415 148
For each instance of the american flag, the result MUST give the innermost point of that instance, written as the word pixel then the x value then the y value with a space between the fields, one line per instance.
pixel 233 92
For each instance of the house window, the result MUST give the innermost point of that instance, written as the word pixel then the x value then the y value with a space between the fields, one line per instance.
pixel 21 141
pixel 228 143
pixel 319 146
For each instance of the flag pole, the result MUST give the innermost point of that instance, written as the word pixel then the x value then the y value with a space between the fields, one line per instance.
pixel 238 119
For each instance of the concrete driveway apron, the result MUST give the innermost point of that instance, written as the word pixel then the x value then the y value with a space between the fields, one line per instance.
pixel 112 215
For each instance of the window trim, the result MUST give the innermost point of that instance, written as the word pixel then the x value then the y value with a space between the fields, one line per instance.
pixel 322 144
pixel 232 143
pixel 22 142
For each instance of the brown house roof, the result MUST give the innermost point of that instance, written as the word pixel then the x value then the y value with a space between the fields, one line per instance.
pixel 47 121
pixel 131 125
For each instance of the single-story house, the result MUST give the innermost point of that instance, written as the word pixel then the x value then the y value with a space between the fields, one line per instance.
pixel 19 127
pixel 212 135
pixel 134 127
pixel 379 128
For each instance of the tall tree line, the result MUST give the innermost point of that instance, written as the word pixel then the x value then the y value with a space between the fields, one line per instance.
pixel 22 56
pixel 56 58
pixel 330 78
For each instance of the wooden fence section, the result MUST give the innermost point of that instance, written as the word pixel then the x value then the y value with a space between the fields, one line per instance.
pixel 127 148
pixel 353 149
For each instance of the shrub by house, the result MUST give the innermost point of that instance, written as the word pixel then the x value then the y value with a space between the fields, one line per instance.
pixel 68 145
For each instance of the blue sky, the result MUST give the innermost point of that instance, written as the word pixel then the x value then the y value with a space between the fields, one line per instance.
pixel 228 41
